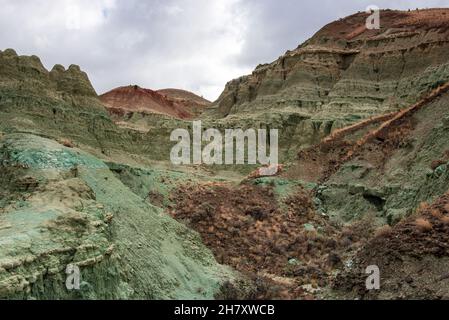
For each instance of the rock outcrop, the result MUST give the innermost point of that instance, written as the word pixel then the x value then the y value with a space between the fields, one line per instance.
pixel 343 74
pixel 62 104
pixel 385 167
pixel 61 205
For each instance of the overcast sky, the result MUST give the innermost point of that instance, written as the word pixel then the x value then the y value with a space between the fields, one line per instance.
pixel 196 45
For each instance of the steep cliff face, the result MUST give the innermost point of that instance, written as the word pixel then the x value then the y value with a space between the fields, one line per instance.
pixel 60 103
pixel 345 73
pixel 27 74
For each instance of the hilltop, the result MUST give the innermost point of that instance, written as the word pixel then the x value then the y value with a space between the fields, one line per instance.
pixel 124 101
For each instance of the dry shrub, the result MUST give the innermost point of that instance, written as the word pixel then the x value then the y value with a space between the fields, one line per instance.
pixel 383 231
pixel 436 213
pixel 300 204
pixel 66 143
pixel 445 220
pixel 444 159
pixel 436 163
pixel 423 207
pixel 360 230
pixel 423 225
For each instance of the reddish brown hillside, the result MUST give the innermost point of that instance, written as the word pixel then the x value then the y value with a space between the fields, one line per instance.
pixel 183 95
pixel 353 27
pixel 123 100
pixel 192 102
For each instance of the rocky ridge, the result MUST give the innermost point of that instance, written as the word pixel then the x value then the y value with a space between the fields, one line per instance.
pixel 342 75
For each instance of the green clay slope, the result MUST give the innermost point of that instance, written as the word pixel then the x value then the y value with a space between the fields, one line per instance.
pixel 63 206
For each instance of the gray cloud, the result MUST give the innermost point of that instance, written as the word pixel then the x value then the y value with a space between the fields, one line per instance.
pixel 197 45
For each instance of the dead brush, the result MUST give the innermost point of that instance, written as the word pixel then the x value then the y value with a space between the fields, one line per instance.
pixel 339 133
pixel 399 133
pixel 443 160
pixel 436 163
pixel 436 213
pixel 300 204
pixel 66 143
pixel 423 225
pixel 423 207
pixel 383 231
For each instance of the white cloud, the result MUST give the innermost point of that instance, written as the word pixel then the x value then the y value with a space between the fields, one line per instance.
pixel 196 45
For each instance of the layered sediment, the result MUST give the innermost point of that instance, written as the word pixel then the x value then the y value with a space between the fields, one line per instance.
pixel 343 74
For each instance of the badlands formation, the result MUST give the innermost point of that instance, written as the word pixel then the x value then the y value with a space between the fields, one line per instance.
pixel 363 121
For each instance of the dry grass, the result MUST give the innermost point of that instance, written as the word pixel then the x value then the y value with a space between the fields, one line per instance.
pixel 445 220
pixel 443 160
pixel 436 163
